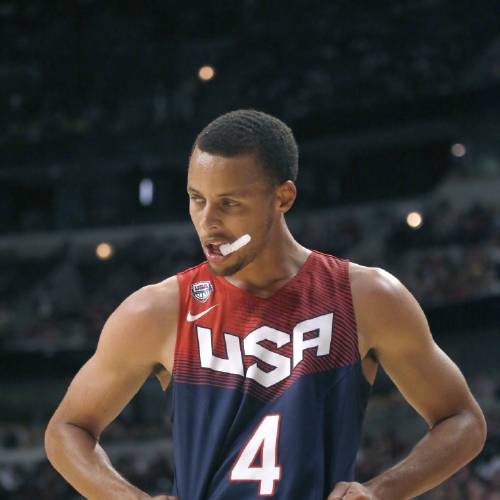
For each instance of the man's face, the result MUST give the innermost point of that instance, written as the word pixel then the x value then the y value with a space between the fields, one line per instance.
pixel 229 197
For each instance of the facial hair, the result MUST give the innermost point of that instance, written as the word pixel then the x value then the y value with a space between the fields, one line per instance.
pixel 232 269
pixel 243 259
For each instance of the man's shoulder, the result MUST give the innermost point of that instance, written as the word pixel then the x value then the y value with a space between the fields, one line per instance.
pixel 373 282
pixel 385 309
pixel 144 325
pixel 379 298
pixel 154 301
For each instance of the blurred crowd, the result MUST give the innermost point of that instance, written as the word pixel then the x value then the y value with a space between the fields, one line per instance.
pixel 39 480
pixel 454 256
pixel 67 71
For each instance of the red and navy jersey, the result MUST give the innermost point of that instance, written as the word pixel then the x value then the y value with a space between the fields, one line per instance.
pixel 268 393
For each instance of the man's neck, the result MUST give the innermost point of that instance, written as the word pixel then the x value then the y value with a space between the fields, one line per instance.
pixel 272 268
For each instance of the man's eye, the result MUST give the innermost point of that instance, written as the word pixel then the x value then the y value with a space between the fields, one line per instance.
pixel 196 199
pixel 229 203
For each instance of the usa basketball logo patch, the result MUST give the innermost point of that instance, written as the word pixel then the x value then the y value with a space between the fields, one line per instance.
pixel 201 290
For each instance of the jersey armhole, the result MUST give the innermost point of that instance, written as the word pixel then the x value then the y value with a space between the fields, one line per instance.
pixel 181 312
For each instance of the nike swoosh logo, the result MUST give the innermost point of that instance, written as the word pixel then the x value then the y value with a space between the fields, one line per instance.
pixel 191 317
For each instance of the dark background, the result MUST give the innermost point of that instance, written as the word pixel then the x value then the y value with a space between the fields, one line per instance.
pixel 395 107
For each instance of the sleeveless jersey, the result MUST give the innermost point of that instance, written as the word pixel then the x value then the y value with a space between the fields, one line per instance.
pixel 268 393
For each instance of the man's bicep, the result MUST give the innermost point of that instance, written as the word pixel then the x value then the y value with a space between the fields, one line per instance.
pixel 97 395
pixel 124 358
pixel 428 379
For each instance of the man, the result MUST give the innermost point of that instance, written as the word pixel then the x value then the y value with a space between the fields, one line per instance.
pixel 271 348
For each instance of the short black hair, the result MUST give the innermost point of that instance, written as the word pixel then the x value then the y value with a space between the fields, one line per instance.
pixel 250 131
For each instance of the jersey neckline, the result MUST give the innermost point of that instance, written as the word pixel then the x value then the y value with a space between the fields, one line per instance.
pixel 280 290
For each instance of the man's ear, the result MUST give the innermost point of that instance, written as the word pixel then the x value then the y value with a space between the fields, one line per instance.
pixel 285 196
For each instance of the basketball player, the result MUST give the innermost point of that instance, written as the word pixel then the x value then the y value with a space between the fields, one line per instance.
pixel 270 351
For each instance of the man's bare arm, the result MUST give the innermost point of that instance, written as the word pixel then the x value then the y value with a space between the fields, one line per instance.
pixel 136 339
pixel 394 327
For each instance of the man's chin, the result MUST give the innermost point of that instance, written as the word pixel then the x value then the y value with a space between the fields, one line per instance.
pixel 225 270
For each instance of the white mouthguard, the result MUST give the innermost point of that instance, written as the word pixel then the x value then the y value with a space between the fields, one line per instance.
pixel 228 248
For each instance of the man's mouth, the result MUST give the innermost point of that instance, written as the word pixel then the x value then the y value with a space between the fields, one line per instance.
pixel 214 248
pixel 212 251
pixel 217 249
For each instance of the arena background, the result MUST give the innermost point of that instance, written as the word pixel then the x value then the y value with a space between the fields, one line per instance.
pixel 395 106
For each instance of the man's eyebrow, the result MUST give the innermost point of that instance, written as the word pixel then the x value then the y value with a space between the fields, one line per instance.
pixel 241 192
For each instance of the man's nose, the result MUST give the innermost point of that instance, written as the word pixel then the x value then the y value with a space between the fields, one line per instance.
pixel 211 217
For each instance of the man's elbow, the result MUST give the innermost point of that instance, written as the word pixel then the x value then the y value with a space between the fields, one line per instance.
pixel 54 437
pixel 476 430
pixel 51 439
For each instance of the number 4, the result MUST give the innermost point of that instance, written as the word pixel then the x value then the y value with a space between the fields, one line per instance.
pixel 265 441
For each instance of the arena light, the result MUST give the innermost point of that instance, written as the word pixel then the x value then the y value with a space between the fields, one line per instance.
pixel 414 220
pixel 458 150
pixel 146 192
pixel 206 73
pixel 104 251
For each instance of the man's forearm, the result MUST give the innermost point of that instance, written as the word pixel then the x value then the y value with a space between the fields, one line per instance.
pixel 446 448
pixel 77 456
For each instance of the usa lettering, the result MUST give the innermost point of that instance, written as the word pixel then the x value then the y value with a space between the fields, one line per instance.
pixel 283 366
